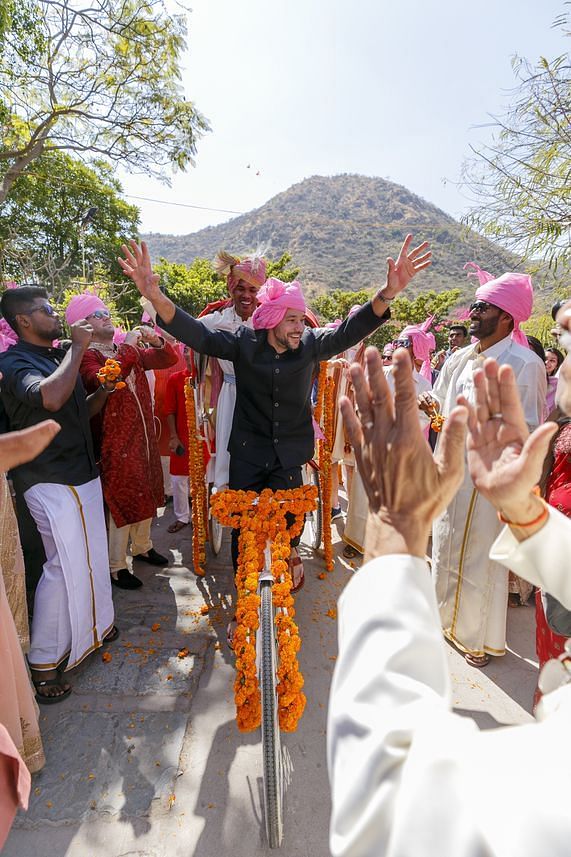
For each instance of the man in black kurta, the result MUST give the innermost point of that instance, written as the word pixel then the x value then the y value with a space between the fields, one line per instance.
pixel 272 432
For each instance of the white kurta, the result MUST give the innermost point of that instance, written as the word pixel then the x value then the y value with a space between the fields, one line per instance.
pixel 73 608
pixel 407 774
pixel 472 590
pixel 226 319
pixel 358 505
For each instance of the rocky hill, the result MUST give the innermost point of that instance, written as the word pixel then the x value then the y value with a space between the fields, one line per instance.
pixel 339 231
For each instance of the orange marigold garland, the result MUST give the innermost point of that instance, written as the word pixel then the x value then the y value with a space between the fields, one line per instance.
pixel 111 371
pixel 325 448
pixel 260 522
pixel 197 483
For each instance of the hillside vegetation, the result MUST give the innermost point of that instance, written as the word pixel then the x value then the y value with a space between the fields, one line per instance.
pixel 339 231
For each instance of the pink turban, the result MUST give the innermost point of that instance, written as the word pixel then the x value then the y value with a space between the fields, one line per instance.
pixel 80 306
pixel 8 336
pixel 251 269
pixel 423 343
pixel 275 299
pixel 511 292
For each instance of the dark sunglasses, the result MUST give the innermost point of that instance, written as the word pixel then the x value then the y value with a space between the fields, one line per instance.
pixel 387 356
pixel 45 308
pixel 403 343
pixel 99 313
pixel 480 306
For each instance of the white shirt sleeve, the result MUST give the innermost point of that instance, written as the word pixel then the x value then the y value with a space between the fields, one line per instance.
pixel 532 386
pixel 410 778
pixel 544 559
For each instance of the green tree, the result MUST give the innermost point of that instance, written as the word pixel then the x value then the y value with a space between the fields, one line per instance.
pixel 281 270
pixel 102 81
pixel 43 235
pixel 193 286
pixel 521 181
pixel 337 303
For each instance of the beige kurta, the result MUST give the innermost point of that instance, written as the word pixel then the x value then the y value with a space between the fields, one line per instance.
pixel 18 710
pixel 471 589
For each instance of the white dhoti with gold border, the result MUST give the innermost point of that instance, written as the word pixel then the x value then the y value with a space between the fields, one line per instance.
pixel 471 589
pixel 73 608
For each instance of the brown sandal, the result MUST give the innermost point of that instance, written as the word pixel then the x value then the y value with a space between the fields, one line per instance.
pixel 177 526
pixel 478 661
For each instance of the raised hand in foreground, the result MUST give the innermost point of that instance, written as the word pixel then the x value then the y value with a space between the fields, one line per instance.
pixel 504 459
pixel 406 485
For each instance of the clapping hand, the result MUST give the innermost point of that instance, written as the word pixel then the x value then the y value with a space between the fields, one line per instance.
pixel 407 487
pixel 505 461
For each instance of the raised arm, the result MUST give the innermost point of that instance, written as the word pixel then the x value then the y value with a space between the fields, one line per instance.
pixel 399 274
pixel 136 264
pixel 177 322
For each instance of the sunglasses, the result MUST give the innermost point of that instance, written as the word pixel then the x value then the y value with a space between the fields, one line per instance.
pixel 480 306
pixel 387 356
pixel 45 308
pixel 403 343
pixel 99 313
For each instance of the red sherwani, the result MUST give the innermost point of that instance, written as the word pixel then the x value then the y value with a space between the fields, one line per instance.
pixel 175 404
pixel 124 433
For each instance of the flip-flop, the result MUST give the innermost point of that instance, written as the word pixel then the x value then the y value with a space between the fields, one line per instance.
pixel 177 526
pixel 51 682
pixel 294 561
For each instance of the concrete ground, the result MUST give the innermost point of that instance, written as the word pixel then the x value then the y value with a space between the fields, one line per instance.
pixel 144 758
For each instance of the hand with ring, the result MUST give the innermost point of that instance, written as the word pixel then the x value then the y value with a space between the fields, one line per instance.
pixel 504 460
pixel 406 485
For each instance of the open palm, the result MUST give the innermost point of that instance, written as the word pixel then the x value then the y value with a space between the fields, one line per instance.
pixel 407 265
pixel 504 459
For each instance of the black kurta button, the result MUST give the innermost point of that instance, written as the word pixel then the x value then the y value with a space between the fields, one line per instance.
pixel 277 371
pixel 276 440
pixel 276 404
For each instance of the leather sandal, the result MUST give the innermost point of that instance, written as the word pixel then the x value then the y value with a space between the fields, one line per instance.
pixel 57 681
pixel 478 661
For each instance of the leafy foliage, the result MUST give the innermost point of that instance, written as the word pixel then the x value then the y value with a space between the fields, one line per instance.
pixel 521 181
pixel 102 80
pixel 404 311
pixel 41 232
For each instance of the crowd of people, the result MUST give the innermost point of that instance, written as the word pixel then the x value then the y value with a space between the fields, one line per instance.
pixel 107 410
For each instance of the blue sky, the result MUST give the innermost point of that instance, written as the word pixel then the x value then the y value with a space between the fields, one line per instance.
pixel 295 88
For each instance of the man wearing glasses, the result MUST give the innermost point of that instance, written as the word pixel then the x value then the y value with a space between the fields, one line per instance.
pixel 73 609
pixel 472 590
pixel 124 434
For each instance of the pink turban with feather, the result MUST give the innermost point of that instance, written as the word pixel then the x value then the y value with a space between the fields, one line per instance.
pixel 275 299
pixel 251 269
pixel 511 292
pixel 80 306
pixel 423 343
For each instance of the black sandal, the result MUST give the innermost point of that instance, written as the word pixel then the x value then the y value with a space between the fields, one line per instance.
pixel 112 635
pixel 51 682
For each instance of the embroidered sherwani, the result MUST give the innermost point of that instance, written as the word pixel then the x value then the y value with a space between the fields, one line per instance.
pixel 472 590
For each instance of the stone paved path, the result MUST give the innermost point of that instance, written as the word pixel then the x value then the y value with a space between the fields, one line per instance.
pixel 144 759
